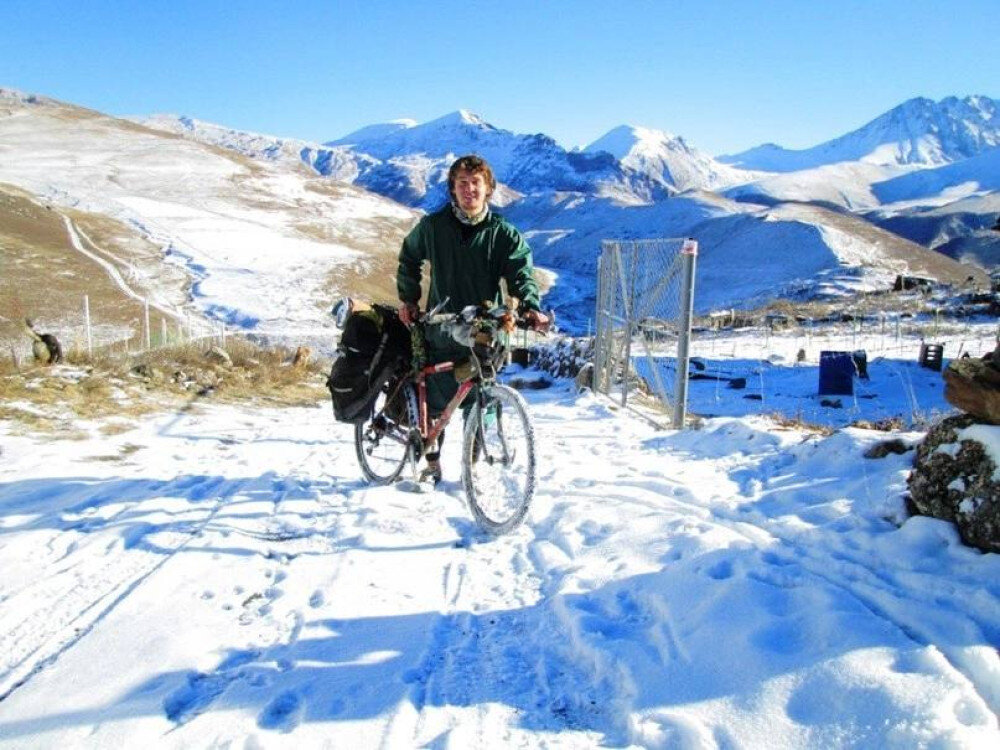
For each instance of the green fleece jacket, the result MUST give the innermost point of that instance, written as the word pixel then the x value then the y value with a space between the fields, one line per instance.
pixel 467 263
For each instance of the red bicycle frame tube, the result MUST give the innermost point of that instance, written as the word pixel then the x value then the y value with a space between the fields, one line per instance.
pixel 430 432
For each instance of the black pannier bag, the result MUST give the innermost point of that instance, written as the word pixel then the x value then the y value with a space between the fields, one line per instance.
pixel 374 345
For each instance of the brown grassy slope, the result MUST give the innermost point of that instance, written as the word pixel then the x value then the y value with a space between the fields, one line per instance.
pixel 912 259
pixel 42 276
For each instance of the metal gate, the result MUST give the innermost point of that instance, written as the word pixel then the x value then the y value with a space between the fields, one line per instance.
pixel 645 297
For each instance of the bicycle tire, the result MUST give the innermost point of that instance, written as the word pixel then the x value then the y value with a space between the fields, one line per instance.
pixel 382 441
pixel 499 478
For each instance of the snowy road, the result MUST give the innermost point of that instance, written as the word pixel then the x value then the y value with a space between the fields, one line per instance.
pixel 221 577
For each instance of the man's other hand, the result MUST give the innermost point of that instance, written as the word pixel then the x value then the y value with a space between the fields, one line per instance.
pixel 538 320
pixel 408 313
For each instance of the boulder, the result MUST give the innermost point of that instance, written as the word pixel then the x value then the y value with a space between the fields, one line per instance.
pixel 219 355
pixel 955 478
pixel 973 385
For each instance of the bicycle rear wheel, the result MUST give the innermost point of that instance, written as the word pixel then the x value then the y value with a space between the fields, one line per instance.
pixel 382 441
pixel 498 460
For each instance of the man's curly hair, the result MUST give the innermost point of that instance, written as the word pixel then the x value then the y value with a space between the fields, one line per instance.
pixel 472 164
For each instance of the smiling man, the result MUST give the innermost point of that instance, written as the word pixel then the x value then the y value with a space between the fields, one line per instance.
pixel 470 249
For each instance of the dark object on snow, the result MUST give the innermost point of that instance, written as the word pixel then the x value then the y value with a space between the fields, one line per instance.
pixel 905 283
pixel 46 348
pixel 932 356
pixel 973 385
pixel 521 356
pixel 374 345
pixel 860 358
pixel 884 448
pixel 530 384
pixel 836 373
pixel 953 479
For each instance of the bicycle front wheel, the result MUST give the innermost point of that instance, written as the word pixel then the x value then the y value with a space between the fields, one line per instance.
pixel 498 460
pixel 382 441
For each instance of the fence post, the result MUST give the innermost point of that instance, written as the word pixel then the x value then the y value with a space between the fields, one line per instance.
pixel 145 317
pixel 689 254
pixel 627 306
pixel 86 325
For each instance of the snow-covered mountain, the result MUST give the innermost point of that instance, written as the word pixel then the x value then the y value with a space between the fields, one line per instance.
pixel 667 159
pixel 919 131
pixel 413 161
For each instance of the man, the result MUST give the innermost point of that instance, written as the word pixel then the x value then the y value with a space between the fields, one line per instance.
pixel 470 249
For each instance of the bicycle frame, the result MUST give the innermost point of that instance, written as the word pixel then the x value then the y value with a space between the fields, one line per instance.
pixel 431 429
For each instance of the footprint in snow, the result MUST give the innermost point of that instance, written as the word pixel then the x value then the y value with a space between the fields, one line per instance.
pixel 195 696
pixel 282 714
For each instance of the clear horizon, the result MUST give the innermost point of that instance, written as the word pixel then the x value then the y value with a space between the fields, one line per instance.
pixel 726 76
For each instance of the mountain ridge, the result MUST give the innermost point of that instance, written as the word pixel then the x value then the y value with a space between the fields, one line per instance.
pixel 919 131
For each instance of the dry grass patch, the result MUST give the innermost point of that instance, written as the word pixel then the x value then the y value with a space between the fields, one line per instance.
pixel 123 389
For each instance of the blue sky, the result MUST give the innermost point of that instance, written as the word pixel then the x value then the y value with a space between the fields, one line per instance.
pixel 725 75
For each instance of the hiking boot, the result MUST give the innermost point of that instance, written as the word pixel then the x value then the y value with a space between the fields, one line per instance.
pixel 431 472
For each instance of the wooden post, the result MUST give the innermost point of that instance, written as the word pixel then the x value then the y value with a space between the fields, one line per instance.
pixel 86 325
pixel 145 317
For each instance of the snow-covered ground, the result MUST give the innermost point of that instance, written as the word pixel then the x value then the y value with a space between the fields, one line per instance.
pixel 221 577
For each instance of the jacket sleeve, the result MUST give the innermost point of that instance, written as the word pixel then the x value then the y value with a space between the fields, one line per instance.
pixel 518 272
pixel 411 257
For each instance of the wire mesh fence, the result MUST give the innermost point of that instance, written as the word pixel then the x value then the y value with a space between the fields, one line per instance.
pixel 645 293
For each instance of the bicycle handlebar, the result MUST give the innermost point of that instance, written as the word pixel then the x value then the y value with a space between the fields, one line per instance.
pixel 471 313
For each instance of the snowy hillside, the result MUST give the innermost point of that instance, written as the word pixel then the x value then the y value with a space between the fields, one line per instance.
pixel 976 175
pixel 960 229
pixel 748 254
pixel 263 244
pixel 337 163
pixel 919 131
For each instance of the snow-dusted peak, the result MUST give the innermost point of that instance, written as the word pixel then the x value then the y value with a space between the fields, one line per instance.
pixel 666 158
pixel 628 139
pixel 457 132
pixel 460 119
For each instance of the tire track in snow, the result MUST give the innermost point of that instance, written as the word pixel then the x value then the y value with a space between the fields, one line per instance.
pixel 76 235
pixel 75 600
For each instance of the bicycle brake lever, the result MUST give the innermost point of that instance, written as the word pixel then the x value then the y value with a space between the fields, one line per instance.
pixel 437 308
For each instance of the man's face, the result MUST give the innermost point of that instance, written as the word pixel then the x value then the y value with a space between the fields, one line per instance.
pixel 471 192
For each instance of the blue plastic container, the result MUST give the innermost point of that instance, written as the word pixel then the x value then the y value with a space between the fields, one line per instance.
pixel 836 374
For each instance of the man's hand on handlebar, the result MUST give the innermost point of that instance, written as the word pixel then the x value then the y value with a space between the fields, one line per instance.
pixel 537 320
pixel 409 312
